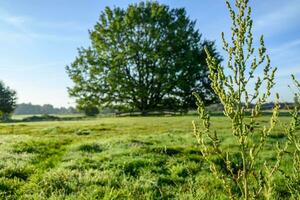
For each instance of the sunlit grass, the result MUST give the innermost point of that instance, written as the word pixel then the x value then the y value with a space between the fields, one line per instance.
pixel 111 158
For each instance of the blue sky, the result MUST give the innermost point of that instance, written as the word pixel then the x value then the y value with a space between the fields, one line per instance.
pixel 39 38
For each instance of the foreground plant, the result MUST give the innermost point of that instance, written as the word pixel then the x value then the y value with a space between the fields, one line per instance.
pixel 293 179
pixel 240 171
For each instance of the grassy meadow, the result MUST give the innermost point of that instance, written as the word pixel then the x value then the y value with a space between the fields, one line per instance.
pixel 114 158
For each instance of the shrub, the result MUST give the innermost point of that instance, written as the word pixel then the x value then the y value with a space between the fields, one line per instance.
pixel 44 117
pixel 91 111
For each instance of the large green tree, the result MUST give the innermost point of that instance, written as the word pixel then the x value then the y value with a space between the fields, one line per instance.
pixel 8 100
pixel 145 57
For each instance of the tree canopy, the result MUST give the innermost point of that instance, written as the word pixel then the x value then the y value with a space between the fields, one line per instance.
pixel 8 100
pixel 146 57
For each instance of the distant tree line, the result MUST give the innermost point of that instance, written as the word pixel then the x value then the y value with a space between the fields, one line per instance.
pixel 218 107
pixel 30 109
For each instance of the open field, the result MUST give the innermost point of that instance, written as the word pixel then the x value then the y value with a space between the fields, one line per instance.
pixel 113 158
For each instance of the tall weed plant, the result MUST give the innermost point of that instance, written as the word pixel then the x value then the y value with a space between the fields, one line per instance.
pixel 293 178
pixel 241 171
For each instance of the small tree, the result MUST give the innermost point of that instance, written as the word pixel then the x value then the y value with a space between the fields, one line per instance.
pixel 8 101
pixel 241 169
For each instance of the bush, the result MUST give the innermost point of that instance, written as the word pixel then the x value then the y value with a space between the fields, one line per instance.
pixel 91 111
pixel 41 118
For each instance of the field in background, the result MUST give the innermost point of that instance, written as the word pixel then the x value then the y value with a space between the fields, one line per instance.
pixel 113 158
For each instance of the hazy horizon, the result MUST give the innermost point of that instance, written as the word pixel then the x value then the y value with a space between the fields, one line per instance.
pixel 40 38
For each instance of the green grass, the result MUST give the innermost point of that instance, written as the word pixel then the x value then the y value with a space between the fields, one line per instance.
pixel 112 158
